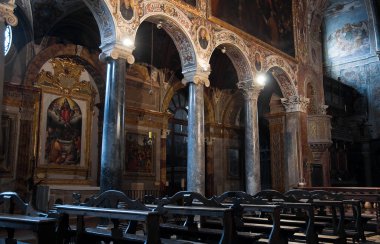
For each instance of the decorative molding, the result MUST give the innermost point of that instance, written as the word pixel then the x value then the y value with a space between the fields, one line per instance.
pixel 66 79
pixel 295 103
pixel 6 12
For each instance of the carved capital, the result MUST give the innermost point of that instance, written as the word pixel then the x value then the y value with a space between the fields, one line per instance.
pixel 322 109
pixel 116 51
pixel 295 103
pixel 198 77
pixel 6 12
pixel 249 89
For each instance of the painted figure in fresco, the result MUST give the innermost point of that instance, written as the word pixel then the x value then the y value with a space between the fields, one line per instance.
pixel 126 9
pixel 257 62
pixel 63 133
pixel 203 41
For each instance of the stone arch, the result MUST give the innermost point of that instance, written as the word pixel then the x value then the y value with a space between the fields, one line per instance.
pixel 233 108
pixel 89 60
pixel 103 16
pixel 169 94
pixel 177 25
pixel 209 110
pixel 236 50
pixel 283 73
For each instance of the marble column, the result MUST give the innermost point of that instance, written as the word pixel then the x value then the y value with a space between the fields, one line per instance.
pixel 6 17
pixel 252 147
pixel 296 108
pixel 113 143
pixel 195 137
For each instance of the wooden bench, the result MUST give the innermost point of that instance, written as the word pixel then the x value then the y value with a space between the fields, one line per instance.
pixel 86 235
pixel 306 213
pixel 18 215
pixel 142 223
pixel 191 205
pixel 352 224
pixel 268 217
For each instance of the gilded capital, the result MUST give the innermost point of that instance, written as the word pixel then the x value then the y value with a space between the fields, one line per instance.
pixel 6 12
pixel 198 77
pixel 116 51
pixel 250 89
pixel 295 103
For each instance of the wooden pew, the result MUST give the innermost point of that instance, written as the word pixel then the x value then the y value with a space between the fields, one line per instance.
pixel 88 235
pixel 269 218
pixel 17 215
pixel 191 205
pixel 306 212
pixel 353 224
pixel 106 206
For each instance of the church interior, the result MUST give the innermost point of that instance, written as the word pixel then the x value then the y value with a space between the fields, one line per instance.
pixel 155 97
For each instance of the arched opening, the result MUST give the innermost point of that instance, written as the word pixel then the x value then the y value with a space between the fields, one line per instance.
pixel 225 156
pixel 271 138
pixel 176 143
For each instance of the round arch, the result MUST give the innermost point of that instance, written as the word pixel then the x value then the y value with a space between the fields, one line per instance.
pixel 106 23
pixel 283 73
pixel 89 60
pixel 177 25
pixel 233 108
pixel 235 50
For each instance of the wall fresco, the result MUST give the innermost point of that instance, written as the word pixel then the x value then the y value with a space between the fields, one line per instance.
pixel 269 20
pixel 346 30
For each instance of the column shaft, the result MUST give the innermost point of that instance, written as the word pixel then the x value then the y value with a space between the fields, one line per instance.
pixel 252 147
pixel 2 63
pixel 196 141
pixel 292 151
pixel 113 143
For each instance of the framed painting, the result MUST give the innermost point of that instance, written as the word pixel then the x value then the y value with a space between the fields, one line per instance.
pixel 271 21
pixel 139 153
pixel 233 159
pixel 64 131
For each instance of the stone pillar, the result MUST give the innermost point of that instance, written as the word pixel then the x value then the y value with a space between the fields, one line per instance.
pixel 113 143
pixel 319 139
pixel 366 152
pixel 295 126
pixel 195 138
pixel 252 147
pixel 6 17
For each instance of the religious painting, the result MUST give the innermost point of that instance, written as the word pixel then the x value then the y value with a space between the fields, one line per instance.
pixel 271 21
pixel 126 9
pixel 190 2
pixel 139 154
pixel 63 131
pixel 346 30
pixel 233 162
pixel 203 37
pixel 7 144
pixel 257 62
